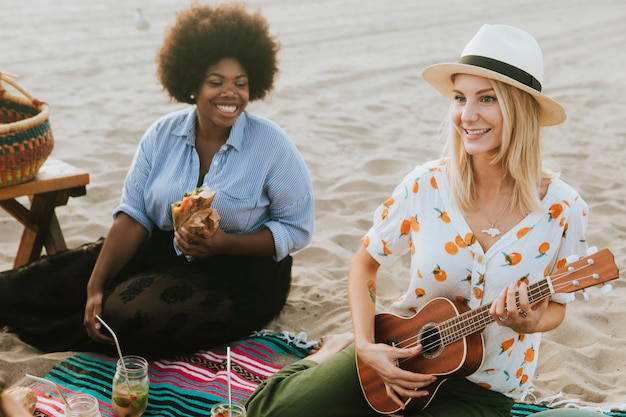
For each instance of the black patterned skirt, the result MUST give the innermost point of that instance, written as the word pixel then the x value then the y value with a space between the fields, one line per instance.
pixel 159 305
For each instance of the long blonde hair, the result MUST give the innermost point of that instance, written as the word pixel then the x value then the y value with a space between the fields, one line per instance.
pixel 520 153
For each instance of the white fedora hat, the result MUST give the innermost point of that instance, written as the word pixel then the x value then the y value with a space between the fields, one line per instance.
pixel 503 53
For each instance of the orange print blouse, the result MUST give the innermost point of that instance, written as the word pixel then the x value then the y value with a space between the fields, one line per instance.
pixel 421 219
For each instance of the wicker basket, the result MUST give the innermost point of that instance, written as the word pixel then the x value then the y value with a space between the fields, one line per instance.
pixel 26 139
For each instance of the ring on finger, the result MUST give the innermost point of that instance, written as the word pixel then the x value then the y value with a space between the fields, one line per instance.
pixel 523 313
pixel 503 319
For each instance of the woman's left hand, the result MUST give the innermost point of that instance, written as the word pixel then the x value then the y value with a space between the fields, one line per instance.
pixel 518 314
pixel 197 246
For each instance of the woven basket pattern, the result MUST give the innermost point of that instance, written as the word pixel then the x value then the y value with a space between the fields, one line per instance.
pixel 26 138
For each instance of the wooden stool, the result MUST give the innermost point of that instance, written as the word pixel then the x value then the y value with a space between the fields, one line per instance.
pixel 54 184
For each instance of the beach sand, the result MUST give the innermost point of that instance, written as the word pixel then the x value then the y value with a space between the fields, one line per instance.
pixel 351 97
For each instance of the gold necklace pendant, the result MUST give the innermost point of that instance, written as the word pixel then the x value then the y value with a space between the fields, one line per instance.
pixel 493 231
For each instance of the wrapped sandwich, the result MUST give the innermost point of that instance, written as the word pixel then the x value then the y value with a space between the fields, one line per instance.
pixel 24 396
pixel 195 214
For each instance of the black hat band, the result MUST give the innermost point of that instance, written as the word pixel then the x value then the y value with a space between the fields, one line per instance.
pixel 502 68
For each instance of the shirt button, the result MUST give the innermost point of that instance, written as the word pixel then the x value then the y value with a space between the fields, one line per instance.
pixel 480 259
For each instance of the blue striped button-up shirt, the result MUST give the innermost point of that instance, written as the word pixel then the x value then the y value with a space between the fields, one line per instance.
pixel 260 179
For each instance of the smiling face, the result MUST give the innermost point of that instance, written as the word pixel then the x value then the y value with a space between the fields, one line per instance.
pixel 476 115
pixel 223 95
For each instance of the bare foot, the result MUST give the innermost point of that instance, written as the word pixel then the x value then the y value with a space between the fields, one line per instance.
pixel 330 345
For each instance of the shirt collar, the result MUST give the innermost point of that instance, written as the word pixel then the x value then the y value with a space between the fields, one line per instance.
pixel 187 129
pixel 236 133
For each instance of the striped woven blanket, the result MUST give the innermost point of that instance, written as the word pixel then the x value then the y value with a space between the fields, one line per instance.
pixel 183 386
pixel 190 385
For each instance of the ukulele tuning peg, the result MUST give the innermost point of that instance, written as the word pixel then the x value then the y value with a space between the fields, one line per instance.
pixel 592 250
pixel 606 288
pixel 585 295
pixel 571 259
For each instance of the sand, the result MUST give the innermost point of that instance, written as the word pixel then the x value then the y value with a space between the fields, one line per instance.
pixel 351 97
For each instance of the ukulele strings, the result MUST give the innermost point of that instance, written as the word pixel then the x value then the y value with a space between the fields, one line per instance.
pixel 479 318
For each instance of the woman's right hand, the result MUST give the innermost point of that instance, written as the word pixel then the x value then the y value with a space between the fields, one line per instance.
pixel 382 359
pixel 93 308
pixel 124 239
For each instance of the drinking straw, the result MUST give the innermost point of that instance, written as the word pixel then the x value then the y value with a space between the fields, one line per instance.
pixel 230 401
pixel 117 344
pixel 119 350
pixel 56 387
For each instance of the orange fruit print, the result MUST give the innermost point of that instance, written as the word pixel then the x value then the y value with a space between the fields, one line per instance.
pixel 555 211
pixel 451 248
pixel 506 345
pixel 405 227
pixel 543 249
pixel 512 258
pixel 443 216
pixel 523 280
pixel 522 232
pixel 524 379
pixel 439 274
pixel 386 250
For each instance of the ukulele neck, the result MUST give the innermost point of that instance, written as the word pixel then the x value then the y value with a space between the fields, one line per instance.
pixel 476 320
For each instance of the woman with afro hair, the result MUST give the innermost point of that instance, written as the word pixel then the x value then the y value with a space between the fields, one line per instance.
pixel 167 292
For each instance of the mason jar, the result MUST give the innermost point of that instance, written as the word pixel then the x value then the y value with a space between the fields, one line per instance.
pixel 82 405
pixel 226 410
pixel 130 387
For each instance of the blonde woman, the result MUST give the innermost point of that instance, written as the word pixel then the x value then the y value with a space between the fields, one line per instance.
pixel 481 224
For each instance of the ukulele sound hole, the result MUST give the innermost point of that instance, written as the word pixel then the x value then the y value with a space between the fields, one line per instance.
pixel 430 339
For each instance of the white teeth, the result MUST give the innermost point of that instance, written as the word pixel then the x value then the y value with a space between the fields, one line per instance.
pixel 226 109
pixel 477 132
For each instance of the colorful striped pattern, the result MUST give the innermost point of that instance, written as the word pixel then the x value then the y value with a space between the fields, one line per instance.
pixel 185 386
pixel 526 409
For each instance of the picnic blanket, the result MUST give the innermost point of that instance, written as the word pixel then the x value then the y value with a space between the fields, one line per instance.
pixel 182 386
pixel 190 385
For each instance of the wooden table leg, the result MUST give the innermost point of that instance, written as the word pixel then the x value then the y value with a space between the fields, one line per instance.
pixel 54 238
pixel 34 238
pixel 54 184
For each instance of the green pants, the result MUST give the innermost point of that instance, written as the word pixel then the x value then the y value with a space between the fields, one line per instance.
pixel 332 389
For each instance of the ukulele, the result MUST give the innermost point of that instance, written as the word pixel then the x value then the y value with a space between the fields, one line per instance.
pixel 450 332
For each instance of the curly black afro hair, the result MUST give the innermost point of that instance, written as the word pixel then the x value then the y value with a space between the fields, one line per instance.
pixel 203 35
